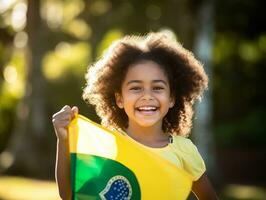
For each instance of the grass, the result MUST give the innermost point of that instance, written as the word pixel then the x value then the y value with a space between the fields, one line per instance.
pixel 19 188
pixel 243 192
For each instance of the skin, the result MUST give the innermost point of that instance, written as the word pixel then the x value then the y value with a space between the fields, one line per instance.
pixel 146 86
pixel 203 189
pixel 61 120
pixel 146 98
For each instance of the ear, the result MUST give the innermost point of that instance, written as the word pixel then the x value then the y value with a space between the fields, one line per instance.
pixel 172 102
pixel 119 100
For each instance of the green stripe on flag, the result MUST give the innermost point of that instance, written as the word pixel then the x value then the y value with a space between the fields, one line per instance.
pixel 95 177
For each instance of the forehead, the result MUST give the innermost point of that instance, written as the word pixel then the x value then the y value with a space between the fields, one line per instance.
pixel 146 70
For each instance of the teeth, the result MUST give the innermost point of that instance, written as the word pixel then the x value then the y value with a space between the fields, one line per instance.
pixel 147 108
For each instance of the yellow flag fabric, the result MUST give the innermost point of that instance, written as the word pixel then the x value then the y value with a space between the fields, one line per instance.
pixel 107 165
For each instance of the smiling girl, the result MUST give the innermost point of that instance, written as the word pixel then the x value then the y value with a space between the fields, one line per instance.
pixel 145 87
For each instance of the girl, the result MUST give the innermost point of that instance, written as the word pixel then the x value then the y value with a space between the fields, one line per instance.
pixel 146 87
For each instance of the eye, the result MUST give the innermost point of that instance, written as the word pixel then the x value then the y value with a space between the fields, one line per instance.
pixel 135 88
pixel 157 88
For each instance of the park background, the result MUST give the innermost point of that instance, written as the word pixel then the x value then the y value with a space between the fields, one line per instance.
pixel 46 47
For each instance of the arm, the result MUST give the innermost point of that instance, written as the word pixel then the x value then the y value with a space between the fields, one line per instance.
pixel 203 189
pixel 62 170
pixel 61 120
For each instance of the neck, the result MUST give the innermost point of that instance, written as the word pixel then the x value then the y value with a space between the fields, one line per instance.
pixel 147 135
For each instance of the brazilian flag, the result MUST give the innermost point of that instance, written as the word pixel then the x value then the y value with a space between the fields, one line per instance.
pixel 107 165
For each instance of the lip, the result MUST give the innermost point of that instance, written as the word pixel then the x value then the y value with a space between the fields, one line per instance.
pixel 147 110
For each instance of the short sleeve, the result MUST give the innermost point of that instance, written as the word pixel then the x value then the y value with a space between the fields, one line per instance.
pixel 190 157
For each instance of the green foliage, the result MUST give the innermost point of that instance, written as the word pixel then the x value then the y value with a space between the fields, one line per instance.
pixel 239 107
pixel 248 130
pixel 7 116
pixel 66 57
pixel 81 30
pixel 64 70
pixel 12 89
pixel 109 37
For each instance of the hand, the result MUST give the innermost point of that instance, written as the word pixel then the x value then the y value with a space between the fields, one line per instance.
pixel 62 119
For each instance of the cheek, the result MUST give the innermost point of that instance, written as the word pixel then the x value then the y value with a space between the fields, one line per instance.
pixel 129 97
pixel 129 103
pixel 129 110
pixel 167 101
pixel 164 98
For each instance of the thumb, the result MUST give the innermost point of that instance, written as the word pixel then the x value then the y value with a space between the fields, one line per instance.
pixel 75 111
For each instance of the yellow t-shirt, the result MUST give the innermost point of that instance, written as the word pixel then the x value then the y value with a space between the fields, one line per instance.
pixel 184 154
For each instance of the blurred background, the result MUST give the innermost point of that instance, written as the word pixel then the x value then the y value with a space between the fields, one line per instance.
pixel 46 47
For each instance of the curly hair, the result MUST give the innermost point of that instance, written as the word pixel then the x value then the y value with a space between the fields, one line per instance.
pixel 187 79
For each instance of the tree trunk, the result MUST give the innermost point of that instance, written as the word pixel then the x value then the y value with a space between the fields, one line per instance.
pixel 203 136
pixel 28 142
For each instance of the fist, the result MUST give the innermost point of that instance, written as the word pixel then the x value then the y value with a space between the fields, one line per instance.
pixel 62 119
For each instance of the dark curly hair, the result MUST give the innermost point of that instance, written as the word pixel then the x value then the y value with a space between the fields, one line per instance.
pixel 186 76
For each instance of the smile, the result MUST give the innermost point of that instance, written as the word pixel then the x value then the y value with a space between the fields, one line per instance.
pixel 147 108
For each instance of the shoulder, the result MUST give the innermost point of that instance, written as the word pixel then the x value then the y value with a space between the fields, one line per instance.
pixel 183 144
pixel 191 158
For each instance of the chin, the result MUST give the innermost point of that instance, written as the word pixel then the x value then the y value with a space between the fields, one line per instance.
pixel 147 124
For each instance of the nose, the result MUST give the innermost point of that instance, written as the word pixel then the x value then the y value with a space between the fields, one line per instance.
pixel 147 95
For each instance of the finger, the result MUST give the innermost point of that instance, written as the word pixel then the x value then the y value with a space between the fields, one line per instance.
pixel 63 124
pixel 65 117
pixel 66 108
pixel 75 109
pixel 62 115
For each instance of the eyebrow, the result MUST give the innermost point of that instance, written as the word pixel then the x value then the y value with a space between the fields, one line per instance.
pixel 153 81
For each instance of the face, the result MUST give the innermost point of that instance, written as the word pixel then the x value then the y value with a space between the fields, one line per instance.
pixel 145 94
